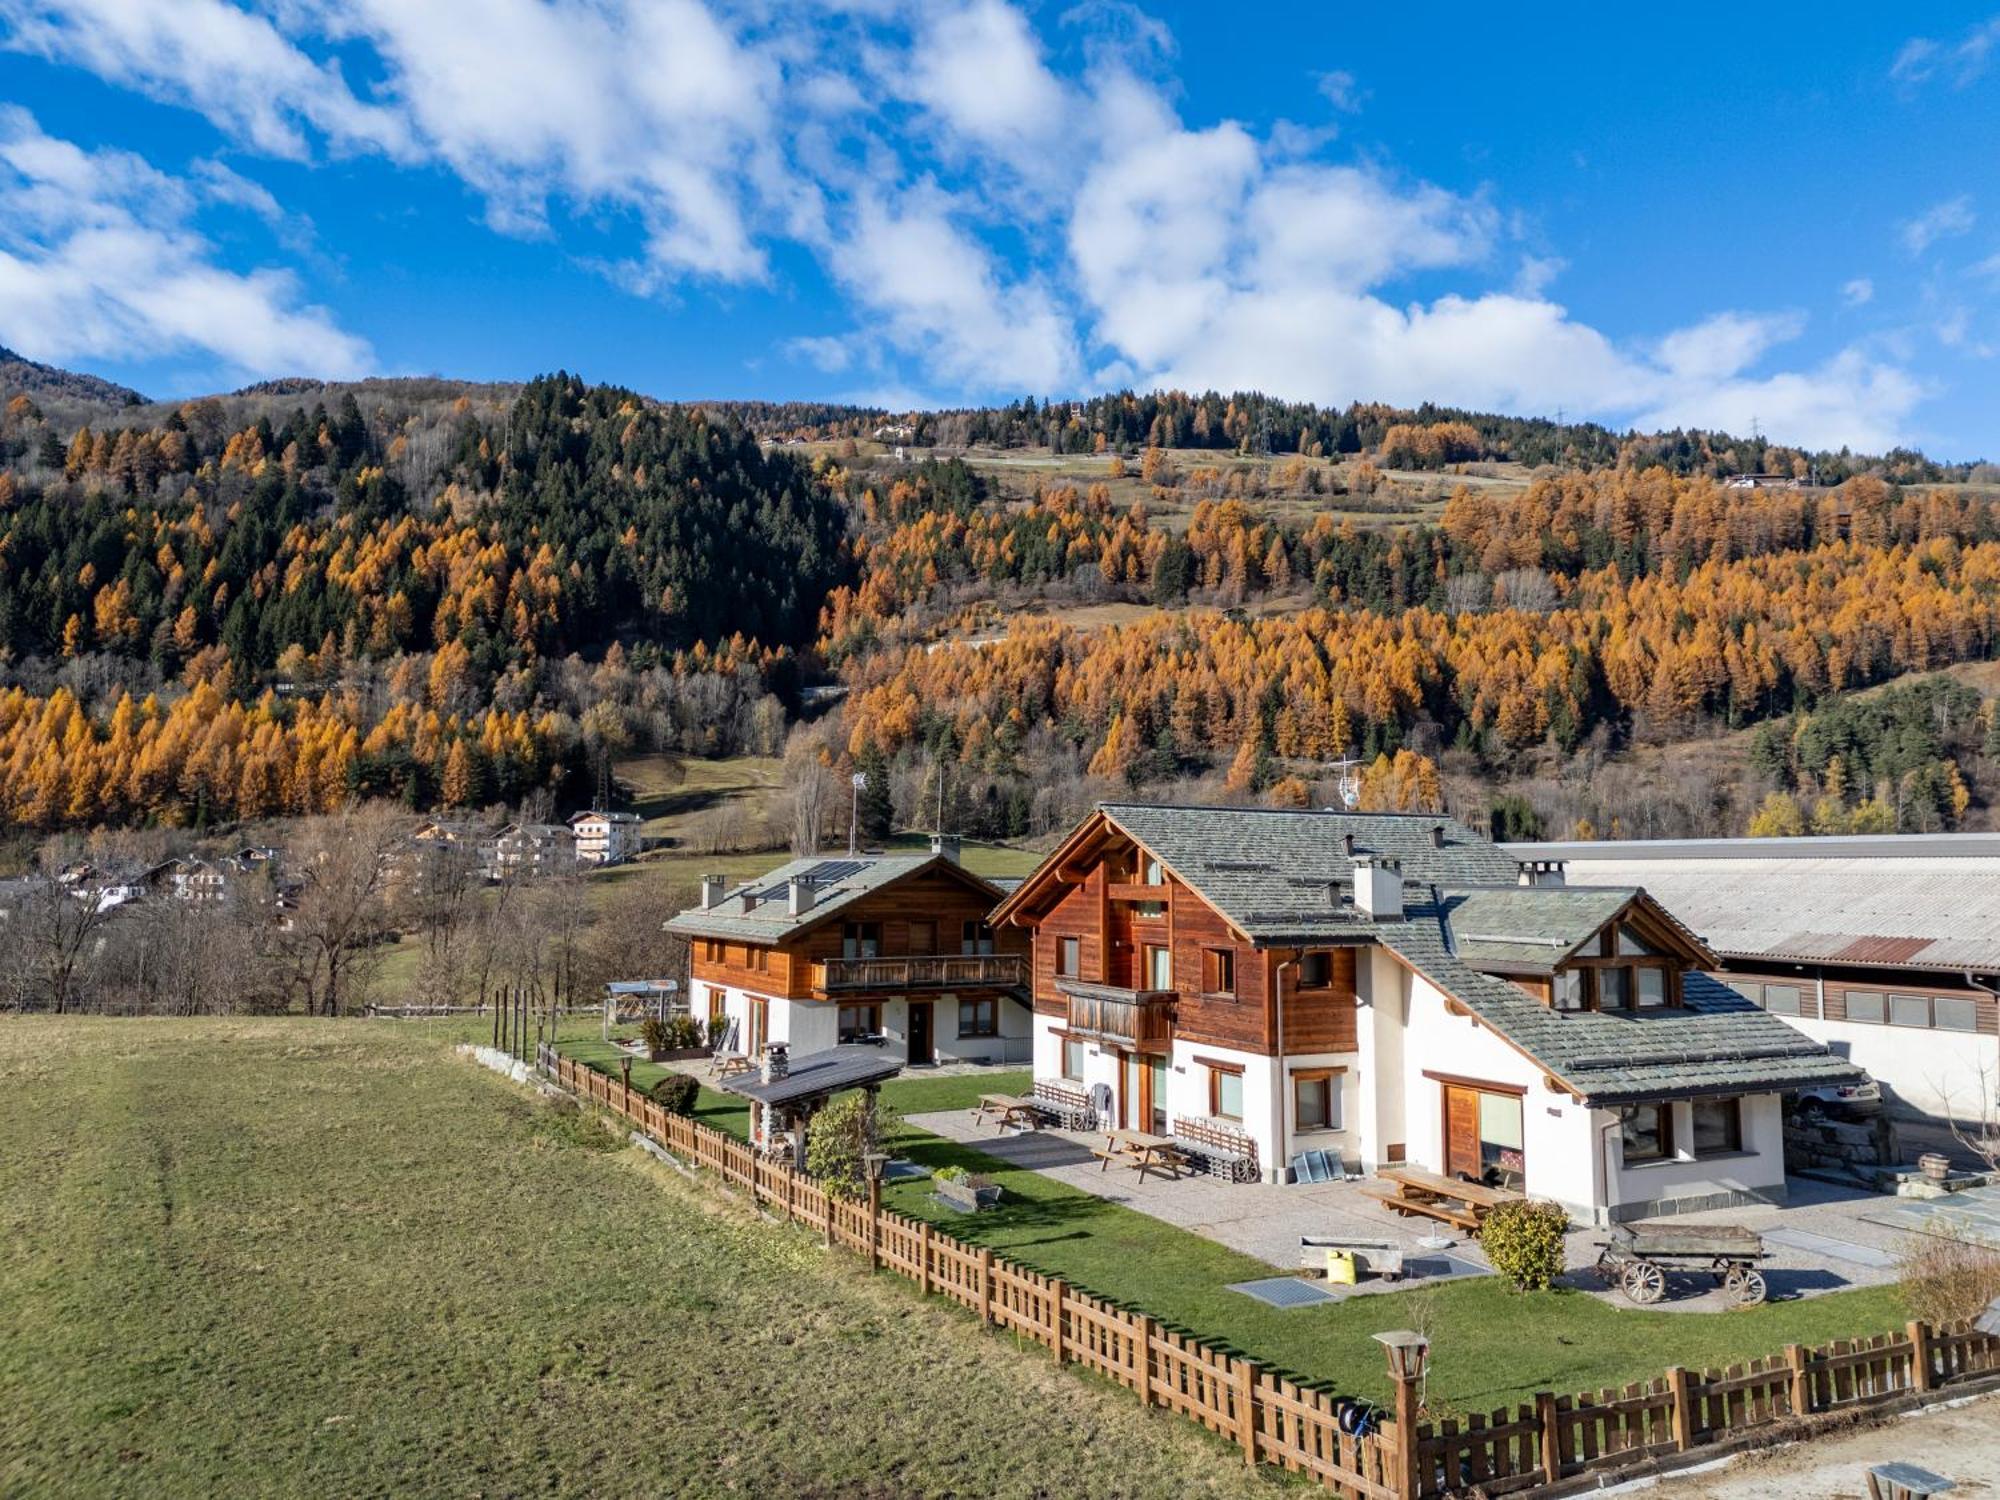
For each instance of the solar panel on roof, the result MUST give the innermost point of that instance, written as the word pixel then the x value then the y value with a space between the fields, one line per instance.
pixel 826 872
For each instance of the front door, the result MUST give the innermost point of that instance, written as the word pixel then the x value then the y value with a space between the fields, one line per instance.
pixel 1461 1133
pixel 921 1047
pixel 1156 1095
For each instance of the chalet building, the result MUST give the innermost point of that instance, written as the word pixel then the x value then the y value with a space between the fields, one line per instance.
pixel 605 838
pixel 894 947
pixel 1390 988
pixel 527 851
pixel 1886 948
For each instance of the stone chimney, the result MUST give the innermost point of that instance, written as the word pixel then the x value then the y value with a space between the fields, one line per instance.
pixel 713 888
pixel 799 896
pixel 1378 887
pixel 777 1061
pixel 1544 872
pixel 1437 835
pixel 1347 845
pixel 949 845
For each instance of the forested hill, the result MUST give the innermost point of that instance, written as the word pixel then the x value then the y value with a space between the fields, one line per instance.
pixel 19 374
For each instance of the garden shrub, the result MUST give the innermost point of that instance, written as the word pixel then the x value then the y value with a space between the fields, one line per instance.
pixel 676 1093
pixel 657 1036
pixel 1524 1241
pixel 1948 1276
pixel 839 1141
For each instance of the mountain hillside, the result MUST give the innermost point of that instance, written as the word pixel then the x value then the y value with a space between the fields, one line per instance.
pixel 19 374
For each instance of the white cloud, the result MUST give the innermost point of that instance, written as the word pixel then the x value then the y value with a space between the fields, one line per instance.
pixel 996 223
pixel 1921 58
pixel 1953 216
pixel 98 258
pixel 1858 293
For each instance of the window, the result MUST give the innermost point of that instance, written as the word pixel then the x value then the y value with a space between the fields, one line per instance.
pixel 1150 872
pixel 1316 970
pixel 1953 1013
pixel 1225 1092
pixel 975 937
pixel 976 1018
pixel 861 940
pixel 1718 1126
pixel 1218 971
pixel 859 1020
pixel 1567 992
pixel 1069 957
pixel 711 951
pixel 1781 999
pixel 1629 945
pixel 1909 1010
pixel 1072 1064
pixel 1159 967
pixel 1648 1131
pixel 1614 989
pixel 716 1005
pixel 1152 911
pixel 1865 1005
pixel 1652 988
pixel 1502 1141
pixel 1316 1099
pixel 759 959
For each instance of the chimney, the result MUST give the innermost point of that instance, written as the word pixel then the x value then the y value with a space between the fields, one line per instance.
pixel 799 896
pixel 1437 835
pixel 749 902
pixel 1543 872
pixel 1347 845
pixel 949 845
pixel 777 1061
pixel 712 889
pixel 1378 887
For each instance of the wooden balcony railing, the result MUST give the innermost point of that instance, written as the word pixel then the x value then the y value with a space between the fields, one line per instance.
pixel 1124 1018
pixel 934 971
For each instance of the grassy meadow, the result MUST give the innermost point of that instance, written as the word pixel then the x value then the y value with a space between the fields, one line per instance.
pixel 283 1257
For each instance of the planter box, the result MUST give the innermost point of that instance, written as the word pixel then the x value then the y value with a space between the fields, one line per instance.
pixel 965 1196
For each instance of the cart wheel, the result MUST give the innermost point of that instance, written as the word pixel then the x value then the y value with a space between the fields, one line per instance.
pixel 1749 1289
pixel 1645 1283
pixel 1731 1279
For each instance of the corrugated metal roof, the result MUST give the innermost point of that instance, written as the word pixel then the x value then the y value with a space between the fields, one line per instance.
pixel 1842 846
pixel 1916 911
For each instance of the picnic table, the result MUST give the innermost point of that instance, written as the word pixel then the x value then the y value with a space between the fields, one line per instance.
pixel 1414 1190
pixel 1142 1151
pixel 729 1064
pixel 1012 1110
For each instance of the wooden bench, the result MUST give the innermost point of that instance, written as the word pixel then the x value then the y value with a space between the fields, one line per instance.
pixel 1415 1190
pixel 1106 1155
pixel 1062 1105
pixel 1392 1197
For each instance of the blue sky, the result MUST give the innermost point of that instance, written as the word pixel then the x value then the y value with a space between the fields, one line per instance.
pixel 1714 216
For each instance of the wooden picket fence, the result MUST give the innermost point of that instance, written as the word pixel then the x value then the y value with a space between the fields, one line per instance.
pixel 1274 1421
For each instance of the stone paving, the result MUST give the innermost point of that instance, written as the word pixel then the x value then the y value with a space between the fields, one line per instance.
pixel 1833 1246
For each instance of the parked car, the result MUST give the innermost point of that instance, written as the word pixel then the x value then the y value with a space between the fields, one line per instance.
pixel 1852 1101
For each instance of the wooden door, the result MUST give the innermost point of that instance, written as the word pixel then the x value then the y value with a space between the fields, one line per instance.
pixel 922 1048
pixel 1121 963
pixel 923 939
pixel 1461 1132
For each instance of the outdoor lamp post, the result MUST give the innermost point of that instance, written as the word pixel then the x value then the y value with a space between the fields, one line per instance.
pixel 1408 1353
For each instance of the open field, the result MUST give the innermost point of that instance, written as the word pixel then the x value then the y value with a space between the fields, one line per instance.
pixel 310 1257
pixel 1491 1346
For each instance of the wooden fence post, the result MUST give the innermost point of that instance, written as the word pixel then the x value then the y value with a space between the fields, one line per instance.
pixel 924 1258
pixel 1920 1355
pixel 1246 1409
pixel 625 1071
pixel 1545 1413
pixel 1057 1292
pixel 1795 1357
pixel 986 1285
pixel 1680 1383
pixel 1409 1469
pixel 1145 1361
pixel 874 1224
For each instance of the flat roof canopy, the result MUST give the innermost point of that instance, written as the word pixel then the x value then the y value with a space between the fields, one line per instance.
pixel 816 1074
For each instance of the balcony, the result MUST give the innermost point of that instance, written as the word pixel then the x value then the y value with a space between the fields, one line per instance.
pixel 1137 1019
pixel 935 971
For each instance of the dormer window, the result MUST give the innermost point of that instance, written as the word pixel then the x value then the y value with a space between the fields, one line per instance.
pixel 1617 971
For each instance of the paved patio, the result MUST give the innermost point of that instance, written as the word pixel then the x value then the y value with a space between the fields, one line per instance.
pixel 1819 1242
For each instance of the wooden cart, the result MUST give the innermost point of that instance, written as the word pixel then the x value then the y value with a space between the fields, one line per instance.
pixel 1637 1256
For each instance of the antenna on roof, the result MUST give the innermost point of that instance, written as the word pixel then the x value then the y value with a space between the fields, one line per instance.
pixel 1350 781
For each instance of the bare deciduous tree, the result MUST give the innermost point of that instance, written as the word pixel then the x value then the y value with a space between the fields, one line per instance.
pixel 342 862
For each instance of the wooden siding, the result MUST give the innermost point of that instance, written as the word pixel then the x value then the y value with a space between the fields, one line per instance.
pixel 1244 1023
pixel 937 898
pixel 1080 914
pixel 1322 1020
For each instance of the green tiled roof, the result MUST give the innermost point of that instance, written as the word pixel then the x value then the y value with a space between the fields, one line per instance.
pixel 841 882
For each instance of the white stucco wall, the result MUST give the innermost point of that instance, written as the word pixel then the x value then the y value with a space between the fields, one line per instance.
pixel 1758 1170
pixel 814 1025
pixel 1939 1073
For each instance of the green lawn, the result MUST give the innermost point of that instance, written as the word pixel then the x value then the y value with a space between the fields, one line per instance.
pixel 1491 1346
pixel 303 1257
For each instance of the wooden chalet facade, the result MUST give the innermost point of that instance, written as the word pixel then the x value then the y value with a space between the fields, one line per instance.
pixel 888 948
pixel 1387 988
